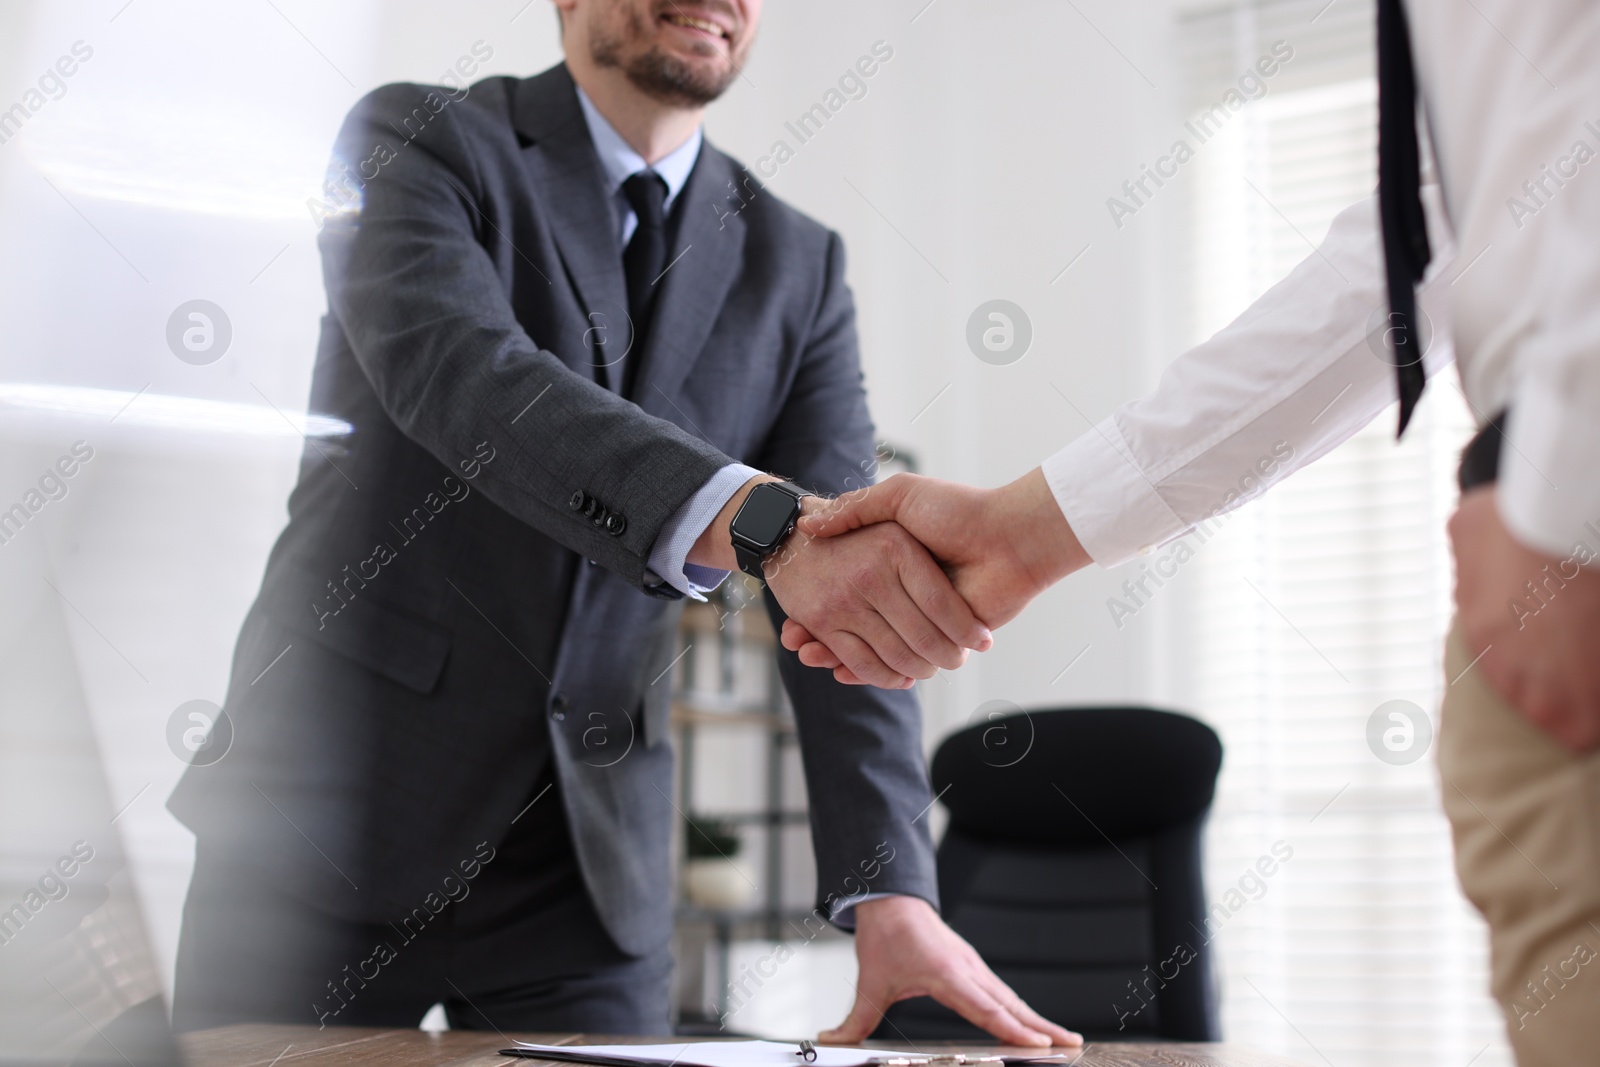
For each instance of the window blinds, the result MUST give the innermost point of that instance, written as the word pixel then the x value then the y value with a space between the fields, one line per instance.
pixel 1318 603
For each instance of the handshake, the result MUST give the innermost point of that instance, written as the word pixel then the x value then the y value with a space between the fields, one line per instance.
pixel 887 584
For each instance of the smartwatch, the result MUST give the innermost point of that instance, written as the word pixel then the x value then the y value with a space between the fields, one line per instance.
pixel 766 517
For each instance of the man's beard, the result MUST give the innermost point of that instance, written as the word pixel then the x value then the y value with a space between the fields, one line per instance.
pixel 664 77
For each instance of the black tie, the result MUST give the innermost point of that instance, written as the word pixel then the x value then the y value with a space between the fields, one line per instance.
pixel 643 262
pixel 1405 228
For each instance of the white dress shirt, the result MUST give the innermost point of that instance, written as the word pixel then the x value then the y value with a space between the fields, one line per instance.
pixel 1513 292
pixel 668 560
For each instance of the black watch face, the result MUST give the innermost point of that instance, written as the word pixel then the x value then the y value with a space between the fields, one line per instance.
pixel 765 515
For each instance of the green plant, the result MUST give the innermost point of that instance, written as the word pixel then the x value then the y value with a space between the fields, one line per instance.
pixel 710 839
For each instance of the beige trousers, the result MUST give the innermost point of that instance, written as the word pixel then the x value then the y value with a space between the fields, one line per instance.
pixel 1525 815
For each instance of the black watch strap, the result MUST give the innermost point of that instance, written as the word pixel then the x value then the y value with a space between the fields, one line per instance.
pixel 750 561
pixel 751 558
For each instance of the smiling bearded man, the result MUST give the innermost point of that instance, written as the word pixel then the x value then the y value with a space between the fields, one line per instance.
pixel 455 783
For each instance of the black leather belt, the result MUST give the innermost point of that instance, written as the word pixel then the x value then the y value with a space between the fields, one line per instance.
pixel 1480 460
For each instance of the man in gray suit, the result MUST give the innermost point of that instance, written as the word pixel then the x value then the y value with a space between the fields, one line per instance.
pixel 561 324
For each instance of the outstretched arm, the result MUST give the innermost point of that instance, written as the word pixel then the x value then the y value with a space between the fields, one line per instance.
pixel 1299 372
pixel 425 311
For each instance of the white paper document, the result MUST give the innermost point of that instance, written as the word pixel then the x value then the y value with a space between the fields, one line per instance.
pixel 740 1054
pixel 720 1053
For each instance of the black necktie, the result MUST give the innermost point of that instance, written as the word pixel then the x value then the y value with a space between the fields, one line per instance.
pixel 1405 228
pixel 643 262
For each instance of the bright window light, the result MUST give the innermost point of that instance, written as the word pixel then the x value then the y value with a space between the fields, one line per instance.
pixel 159 412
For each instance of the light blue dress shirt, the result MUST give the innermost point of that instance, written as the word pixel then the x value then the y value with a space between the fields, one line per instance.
pixel 621 162
pixel 669 557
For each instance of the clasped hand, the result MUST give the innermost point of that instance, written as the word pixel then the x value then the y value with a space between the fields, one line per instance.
pixel 999 549
pixel 877 600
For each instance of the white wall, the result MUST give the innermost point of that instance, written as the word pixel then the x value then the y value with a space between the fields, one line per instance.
pixel 180 156
pixel 976 168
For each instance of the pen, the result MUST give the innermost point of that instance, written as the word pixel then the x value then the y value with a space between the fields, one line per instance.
pixel 808 1051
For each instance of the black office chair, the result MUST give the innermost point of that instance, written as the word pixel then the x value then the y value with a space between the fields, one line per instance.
pixel 1072 864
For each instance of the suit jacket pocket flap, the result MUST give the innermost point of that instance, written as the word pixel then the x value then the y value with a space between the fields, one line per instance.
pixel 402 647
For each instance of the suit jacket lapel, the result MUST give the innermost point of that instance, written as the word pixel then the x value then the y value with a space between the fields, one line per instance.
pixel 707 252
pixel 705 259
pixel 563 166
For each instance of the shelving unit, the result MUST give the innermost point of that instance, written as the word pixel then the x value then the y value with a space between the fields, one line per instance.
pixel 742 693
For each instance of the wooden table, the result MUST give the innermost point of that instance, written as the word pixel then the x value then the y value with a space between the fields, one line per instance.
pixel 259 1045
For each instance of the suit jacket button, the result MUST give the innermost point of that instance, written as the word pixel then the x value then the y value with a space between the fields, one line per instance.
pixel 579 498
pixel 615 524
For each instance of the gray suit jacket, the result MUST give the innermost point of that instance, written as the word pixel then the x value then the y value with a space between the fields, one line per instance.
pixel 451 621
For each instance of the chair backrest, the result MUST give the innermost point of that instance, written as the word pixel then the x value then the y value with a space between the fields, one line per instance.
pixel 1072 863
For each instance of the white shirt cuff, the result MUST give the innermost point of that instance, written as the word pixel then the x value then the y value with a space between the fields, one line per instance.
pixel 1106 497
pixel 669 558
